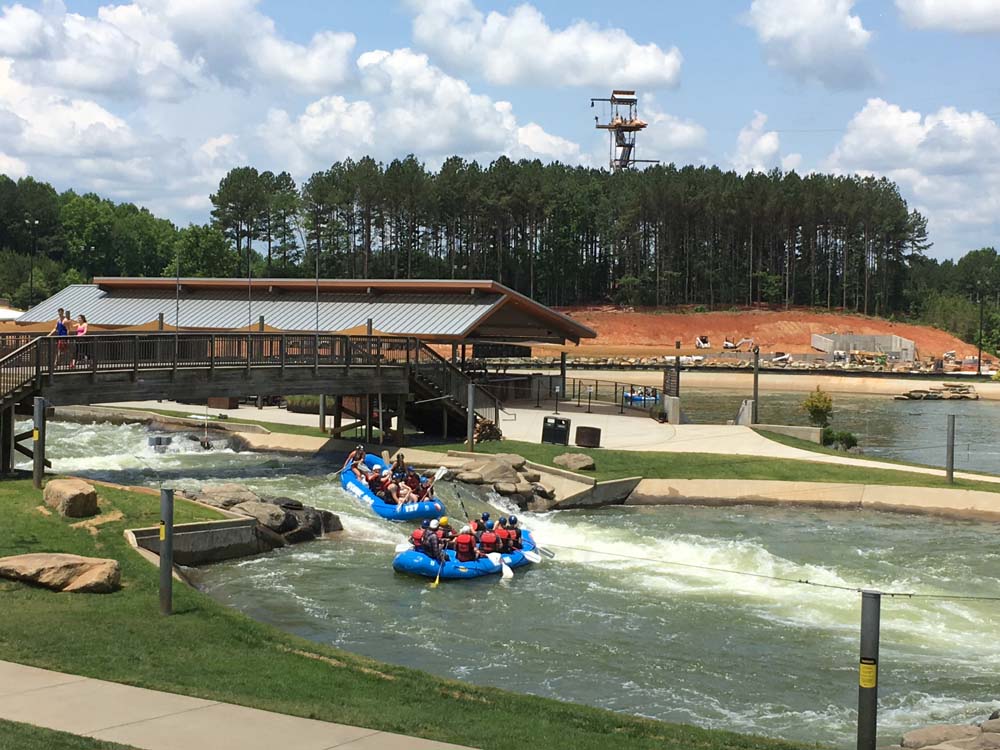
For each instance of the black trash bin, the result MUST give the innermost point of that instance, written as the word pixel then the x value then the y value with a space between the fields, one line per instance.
pixel 555 430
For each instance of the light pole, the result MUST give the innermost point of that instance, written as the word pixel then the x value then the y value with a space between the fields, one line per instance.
pixel 320 226
pixel 32 225
pixel 979 359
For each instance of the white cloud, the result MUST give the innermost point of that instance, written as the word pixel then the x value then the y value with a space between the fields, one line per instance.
pixel 947 164
pixel 412 107
pixel 970 16
pixel 521 48
pixel 12 167
pixel 164 48
pixel 818 40
pixel 759 150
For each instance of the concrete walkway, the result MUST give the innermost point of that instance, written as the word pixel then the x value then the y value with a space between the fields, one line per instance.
pixel 165 721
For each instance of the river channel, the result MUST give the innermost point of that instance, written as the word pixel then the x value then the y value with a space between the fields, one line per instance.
pixel 598 626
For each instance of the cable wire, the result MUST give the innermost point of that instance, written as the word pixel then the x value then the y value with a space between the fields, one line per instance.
pixel 783 579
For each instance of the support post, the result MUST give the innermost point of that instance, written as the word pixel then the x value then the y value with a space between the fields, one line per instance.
pixel 562 371
pixel 166 551
pixel 589 394
pixel 322 413
pixel 159 322
pixel 951 449
pixel 401 419
pixel 756 377
pixel 338 413
pixel 381 421
pixel 538 392
pixel 7 440
pixel 470 416
pixel 368 417
pixel 557 399
pixel 38 440
pixel 444 422
pixel 871 602
pixel 260 324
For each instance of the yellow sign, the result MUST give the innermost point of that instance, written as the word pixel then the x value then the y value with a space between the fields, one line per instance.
pixel 34 435
pixel 163 531
pixel 868 673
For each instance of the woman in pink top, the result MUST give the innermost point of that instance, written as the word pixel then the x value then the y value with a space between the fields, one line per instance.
pixel 81 330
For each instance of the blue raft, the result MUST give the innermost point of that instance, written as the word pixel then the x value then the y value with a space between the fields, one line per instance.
pixel 391 511
pixel 640 398
pixel 417 563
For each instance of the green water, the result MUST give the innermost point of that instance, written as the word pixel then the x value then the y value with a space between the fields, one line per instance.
pixel 904 430
pixel 676 643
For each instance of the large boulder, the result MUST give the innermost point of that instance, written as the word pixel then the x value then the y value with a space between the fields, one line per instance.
pixel 530 476
pixel 469 477
pixel 992 724
pixel 73 498
pixel 545 490
pixel 574 461
pixel 63 572
pixel 497 471
pixel 331 522
pixel 227 495
pixel 939 734
pixel 513 460
pixel 505 488
pixel 267 514
pixel 539 504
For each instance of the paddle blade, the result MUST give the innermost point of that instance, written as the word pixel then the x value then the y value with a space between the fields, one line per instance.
pixel 531 556
pixel 385 457
pixel 440 473
pixel 437 580
pixel 505 571
pixel 403 547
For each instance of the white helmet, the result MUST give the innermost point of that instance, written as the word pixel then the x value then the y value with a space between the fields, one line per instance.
pixel 466 530
pixel 434 524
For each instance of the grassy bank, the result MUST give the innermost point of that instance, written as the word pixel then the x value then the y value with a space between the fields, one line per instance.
pixel 17 736
pixel 209 651
pixel 611 464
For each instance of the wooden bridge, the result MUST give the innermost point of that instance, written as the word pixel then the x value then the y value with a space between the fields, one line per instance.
pixel 422 387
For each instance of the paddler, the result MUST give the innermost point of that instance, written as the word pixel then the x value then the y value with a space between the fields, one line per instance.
pixel 446 533
pixel 417 535
pixel 515 533
pixel 432 545
pixel 488 541
pixel 465 545
pixel 503 535
pixel 356 461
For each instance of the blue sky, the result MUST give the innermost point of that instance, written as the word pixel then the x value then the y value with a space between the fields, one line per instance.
pixel 154 100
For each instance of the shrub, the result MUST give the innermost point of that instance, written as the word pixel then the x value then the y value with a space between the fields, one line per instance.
pixel 307 404
pixel 829 436
pixel 847 440
pixel 819 406
pixel 700 309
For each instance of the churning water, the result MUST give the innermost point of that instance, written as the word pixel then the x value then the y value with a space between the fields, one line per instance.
pixel 598 626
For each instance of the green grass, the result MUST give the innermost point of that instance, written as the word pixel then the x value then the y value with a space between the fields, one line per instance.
pixel 615 464
pixel 209 651
pixel 806 445
pixel 17 736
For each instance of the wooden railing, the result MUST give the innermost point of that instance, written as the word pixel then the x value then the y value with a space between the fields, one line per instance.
pixel 27 359
pixel 454 383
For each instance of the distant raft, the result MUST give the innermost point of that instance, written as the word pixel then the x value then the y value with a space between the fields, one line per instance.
pixel 408 512
pixel 419 564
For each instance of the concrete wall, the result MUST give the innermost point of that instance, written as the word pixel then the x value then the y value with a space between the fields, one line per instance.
pixel 812 434
pixel 210 541
pixel 611 492
pixel 892 345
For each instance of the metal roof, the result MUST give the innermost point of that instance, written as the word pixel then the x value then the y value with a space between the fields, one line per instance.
pixel 422 315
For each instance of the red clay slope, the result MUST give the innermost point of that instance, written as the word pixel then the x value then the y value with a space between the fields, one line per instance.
pixel 648 330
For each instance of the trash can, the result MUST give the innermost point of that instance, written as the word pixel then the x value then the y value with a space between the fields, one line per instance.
pixel 588 437
pixel 555 430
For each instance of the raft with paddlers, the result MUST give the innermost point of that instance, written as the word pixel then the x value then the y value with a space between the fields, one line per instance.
pixel 406 512
pixel 417 563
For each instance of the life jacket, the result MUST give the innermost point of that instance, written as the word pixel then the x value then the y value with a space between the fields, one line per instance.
pixel 413 482
pixel 417 538
pixel 465 547
pixel 503 538
pixel 440 533
pixel 488 542
pixel 515 537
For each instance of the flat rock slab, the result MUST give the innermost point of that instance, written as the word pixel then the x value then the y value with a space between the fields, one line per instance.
pixel 939 734
pixel 73 498
pixel 62 572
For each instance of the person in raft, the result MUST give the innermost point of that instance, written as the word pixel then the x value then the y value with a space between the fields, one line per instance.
pixel 446 533
pixel 465 545
pixel 399 468
pixel 488 541
pixel 503 535
pixel 515 533
pixel 356 461
pixel 432 545
pixel 417 535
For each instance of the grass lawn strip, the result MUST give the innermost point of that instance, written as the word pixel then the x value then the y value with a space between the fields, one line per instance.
pixel 207 650
pixel 806 445
pixel 17 736
pixel 616 464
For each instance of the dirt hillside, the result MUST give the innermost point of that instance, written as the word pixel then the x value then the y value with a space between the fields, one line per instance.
pixel 645 332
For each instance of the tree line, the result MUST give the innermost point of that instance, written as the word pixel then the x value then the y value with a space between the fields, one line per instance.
pixel 663 236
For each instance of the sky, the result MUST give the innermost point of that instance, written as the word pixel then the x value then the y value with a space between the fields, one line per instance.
pixel 153 101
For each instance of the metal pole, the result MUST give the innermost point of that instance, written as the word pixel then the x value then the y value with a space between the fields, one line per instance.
pixel 557 399
pixel 470 418
pixel 588 399
pixel 579 393
pixel 538 392
pixel 381 425
pixel 317 278
pixel 38 440
pixel 871 602
pixel 756 378
pixel 322 413
pixel 979 359
pixel 166 551
pixel 951 449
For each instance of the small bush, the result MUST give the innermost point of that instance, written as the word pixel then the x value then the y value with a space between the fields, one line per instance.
pixel 819 406
pixel 847 440
pixel 700 309
pixel 829 436
pixel 307 404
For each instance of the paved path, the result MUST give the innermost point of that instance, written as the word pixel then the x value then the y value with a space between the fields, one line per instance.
pixel 165 721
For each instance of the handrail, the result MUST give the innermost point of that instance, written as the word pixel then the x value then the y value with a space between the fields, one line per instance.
pixel 454 382
pixel 42 355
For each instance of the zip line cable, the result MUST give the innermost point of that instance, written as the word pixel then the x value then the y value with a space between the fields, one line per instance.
pixel 783 579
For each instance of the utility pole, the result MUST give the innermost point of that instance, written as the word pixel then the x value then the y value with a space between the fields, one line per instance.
pixel 979 359
pixel 32 225
pixel 871 603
